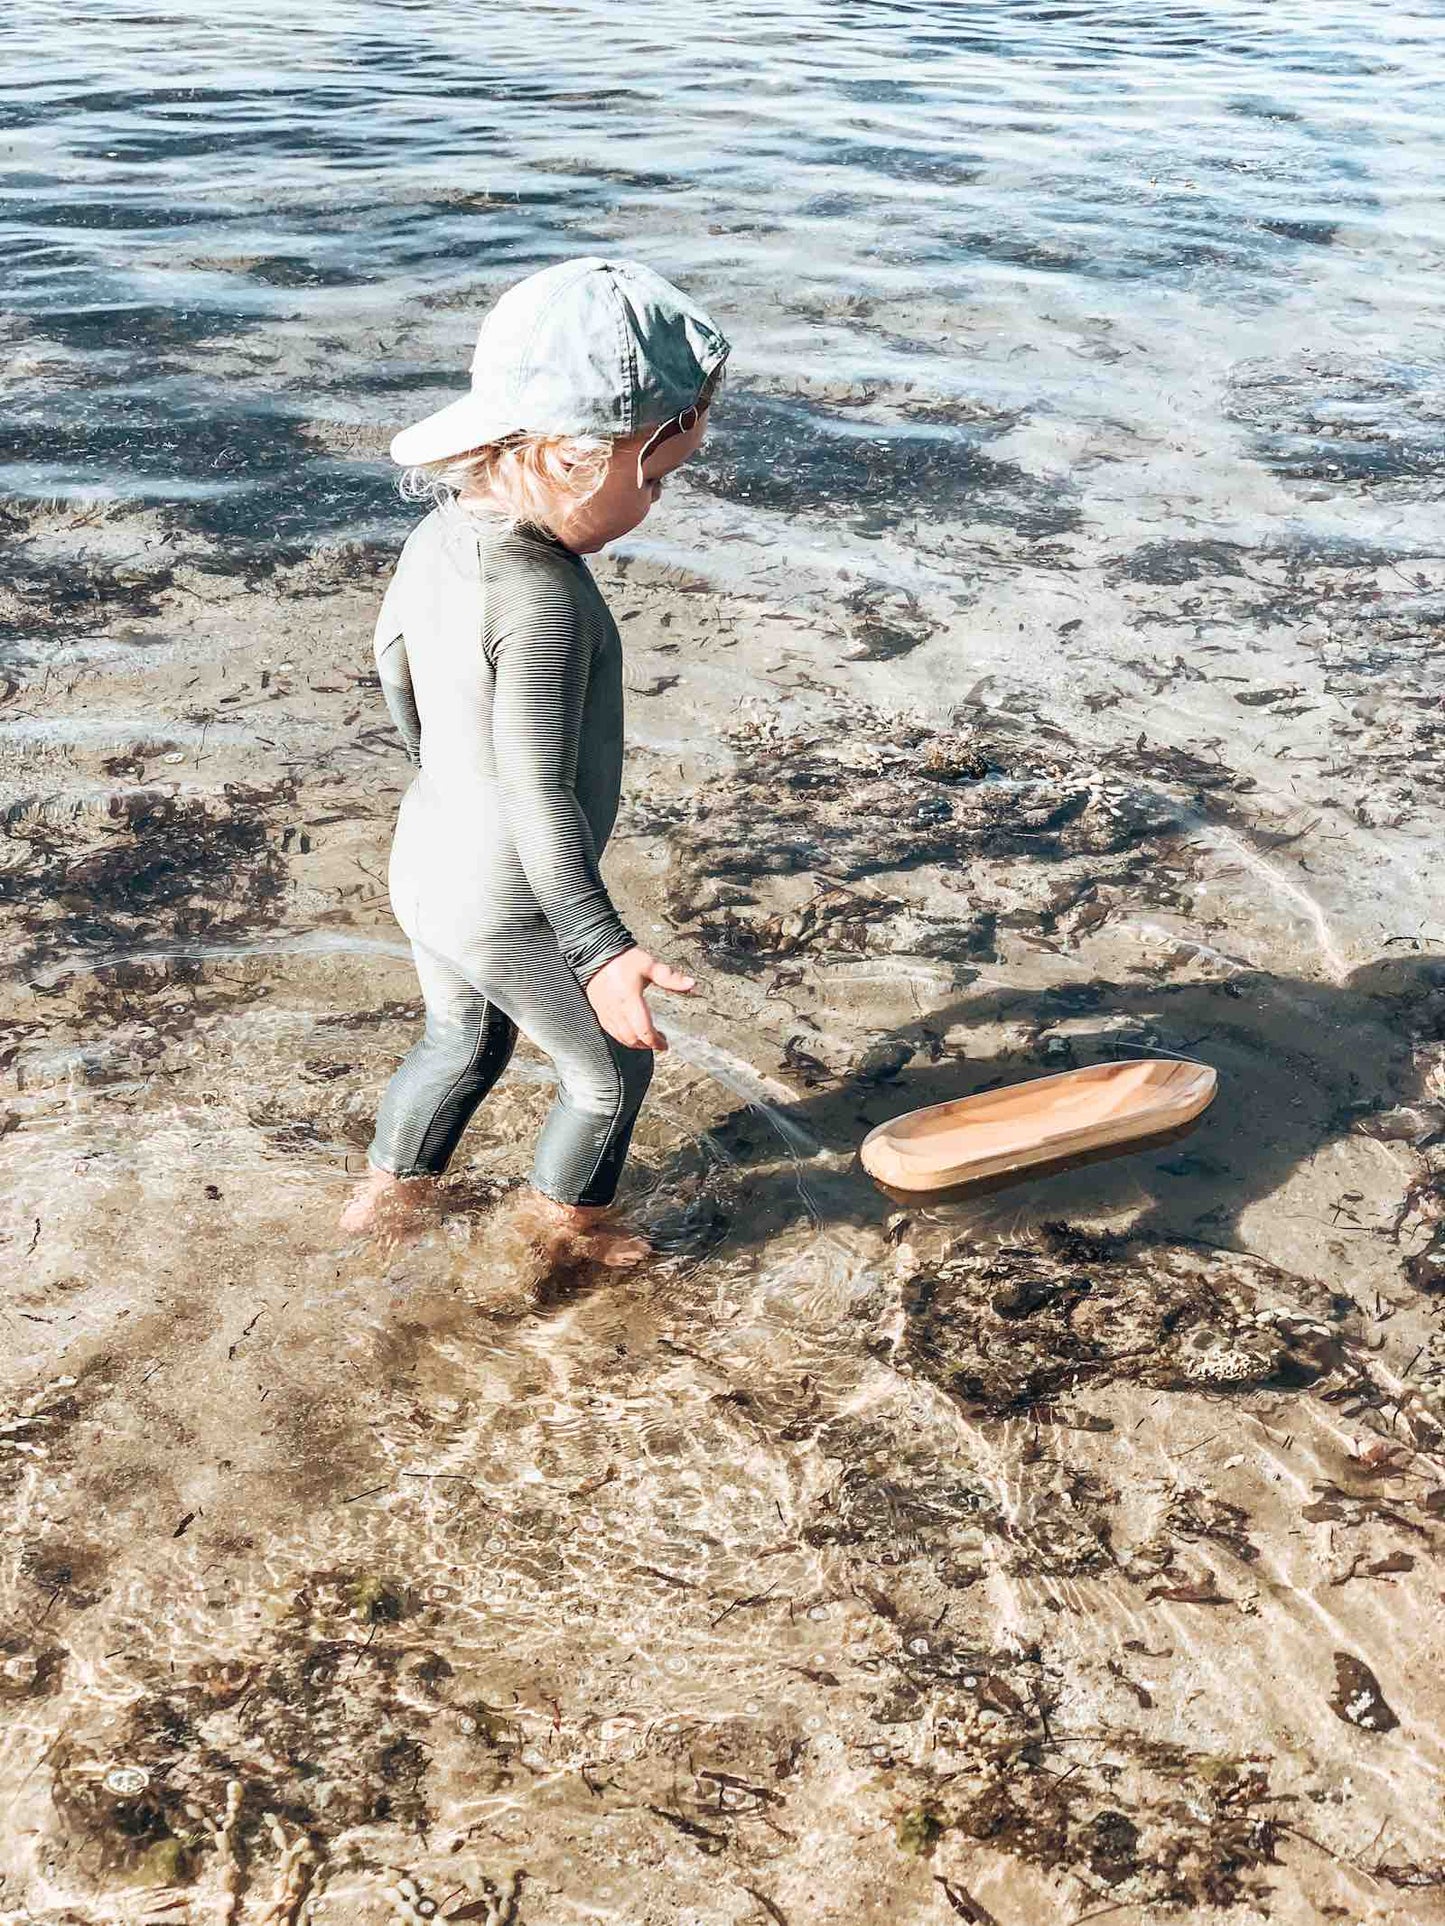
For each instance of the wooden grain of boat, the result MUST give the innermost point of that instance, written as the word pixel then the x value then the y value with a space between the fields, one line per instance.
pixel 1032 1129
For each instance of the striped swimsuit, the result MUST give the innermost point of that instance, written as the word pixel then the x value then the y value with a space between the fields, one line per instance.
pixel 501 667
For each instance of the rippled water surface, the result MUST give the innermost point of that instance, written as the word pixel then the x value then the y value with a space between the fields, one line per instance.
pixel 1062 686
pixel 242 248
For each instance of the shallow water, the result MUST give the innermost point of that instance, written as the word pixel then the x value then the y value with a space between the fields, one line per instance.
pixel 240 249
pixel 1038 665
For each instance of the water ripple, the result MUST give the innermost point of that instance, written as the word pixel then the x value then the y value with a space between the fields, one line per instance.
pixel 211 220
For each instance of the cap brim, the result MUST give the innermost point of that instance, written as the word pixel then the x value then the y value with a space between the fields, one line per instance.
pixel 451 430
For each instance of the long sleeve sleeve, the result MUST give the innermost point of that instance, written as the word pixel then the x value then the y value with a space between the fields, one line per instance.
pixel 388 646
pixel 541 663
pixel 396 691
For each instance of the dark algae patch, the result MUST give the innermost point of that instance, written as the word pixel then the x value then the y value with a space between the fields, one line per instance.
pixel 317 1730
pixel 1169 564
pixel 52 599
pixel 1374 425
pixel 1004 1329
pixel 892 794
pixel 163 867
pixel 1143 1822
pixel 799 457
pixel 1153 1824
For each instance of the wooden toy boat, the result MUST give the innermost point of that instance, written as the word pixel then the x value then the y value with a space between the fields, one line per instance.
pixel 1032 1129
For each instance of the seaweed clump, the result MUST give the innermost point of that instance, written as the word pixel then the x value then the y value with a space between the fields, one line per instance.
pixel 1370 424
pixel 323 1727
pixel 1044 831
pixel 1144 1823
pixel 164 867
pixel 1007 1329
pixel 77 596
pixel 1136 1821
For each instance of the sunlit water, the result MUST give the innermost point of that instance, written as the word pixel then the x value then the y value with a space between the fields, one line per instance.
pixel 1006 282
pixel 1084 258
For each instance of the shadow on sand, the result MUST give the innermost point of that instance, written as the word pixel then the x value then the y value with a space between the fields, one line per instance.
pixel 1301 1064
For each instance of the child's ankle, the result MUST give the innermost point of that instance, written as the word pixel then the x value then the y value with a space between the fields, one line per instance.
pixel 571 1213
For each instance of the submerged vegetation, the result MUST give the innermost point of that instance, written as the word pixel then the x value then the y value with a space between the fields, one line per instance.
pixel 1062 686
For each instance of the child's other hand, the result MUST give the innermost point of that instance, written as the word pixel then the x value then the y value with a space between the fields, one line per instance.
pixel 616 995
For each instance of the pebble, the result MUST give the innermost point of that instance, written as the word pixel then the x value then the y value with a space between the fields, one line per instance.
pixel 127 1780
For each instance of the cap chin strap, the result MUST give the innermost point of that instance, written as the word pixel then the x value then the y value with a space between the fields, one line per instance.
pixel 682 424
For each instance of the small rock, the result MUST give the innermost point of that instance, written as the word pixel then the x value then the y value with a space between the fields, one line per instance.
pixel 127 1781
pixel 953 758
pixel 882 1062
pixel 1029 1294
pixel 1205 1355
pixel 1357 1698
pixel 1113 1841
pixel 1409 1123
pixel 1426 1269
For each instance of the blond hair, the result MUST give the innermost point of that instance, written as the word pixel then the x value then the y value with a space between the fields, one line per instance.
pixel 518 479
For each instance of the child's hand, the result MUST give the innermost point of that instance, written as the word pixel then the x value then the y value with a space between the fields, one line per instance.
pixel 616 994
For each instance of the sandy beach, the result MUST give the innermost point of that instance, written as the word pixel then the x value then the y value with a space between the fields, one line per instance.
pixel 1068 1553
pixel 1037 666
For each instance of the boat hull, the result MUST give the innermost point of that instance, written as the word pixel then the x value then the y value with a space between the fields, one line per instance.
pixel 1037 1129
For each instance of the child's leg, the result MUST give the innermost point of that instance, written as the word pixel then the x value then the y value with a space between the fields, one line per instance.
pixel 601 1085
pixel 429 1102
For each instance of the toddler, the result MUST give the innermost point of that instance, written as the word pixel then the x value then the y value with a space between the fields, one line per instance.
pixel 501 666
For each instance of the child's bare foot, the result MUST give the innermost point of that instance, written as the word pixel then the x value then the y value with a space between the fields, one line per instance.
pixel 571 1231
pixel 385 1202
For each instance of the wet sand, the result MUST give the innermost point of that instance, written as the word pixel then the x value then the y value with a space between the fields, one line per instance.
pixel 1068 1554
